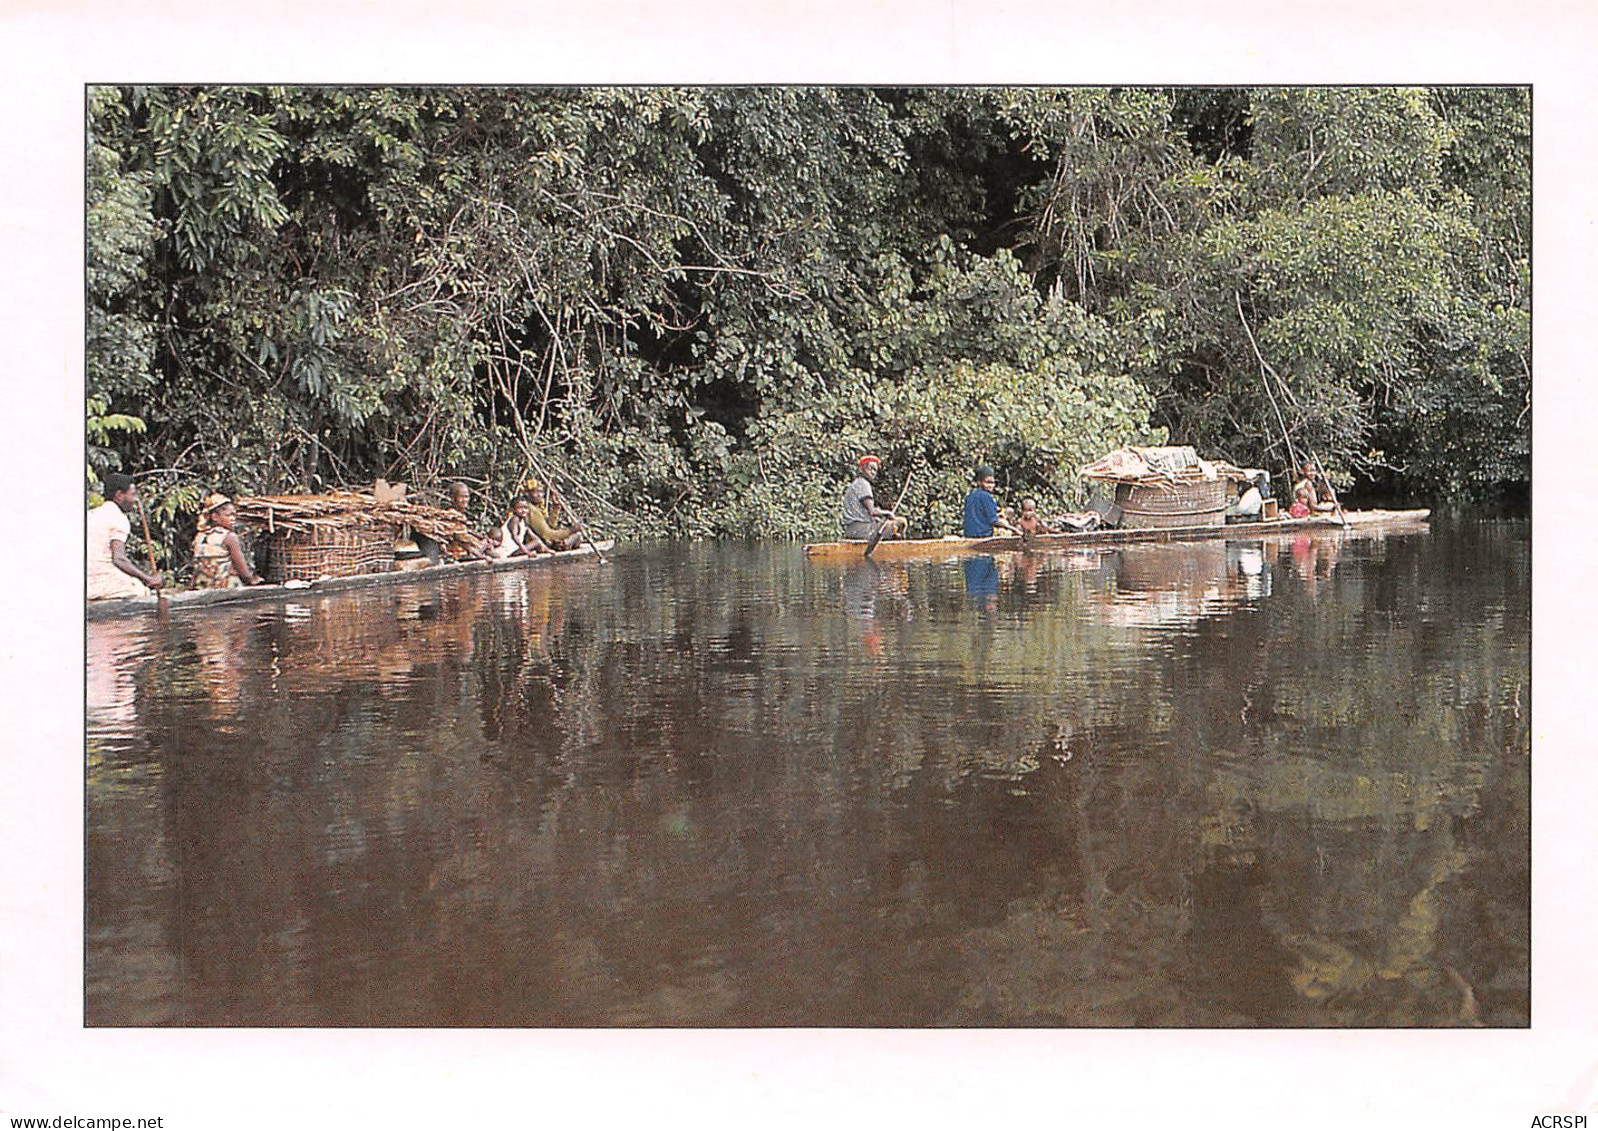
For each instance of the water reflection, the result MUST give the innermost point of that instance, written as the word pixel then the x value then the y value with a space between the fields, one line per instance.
pixel 981 581
pixel 114 656
pixel 1219 784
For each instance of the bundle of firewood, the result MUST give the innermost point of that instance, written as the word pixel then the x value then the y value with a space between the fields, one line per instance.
pixel 306 514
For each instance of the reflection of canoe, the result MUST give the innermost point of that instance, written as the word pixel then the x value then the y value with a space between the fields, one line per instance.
pixel 850 549
pixel 206 598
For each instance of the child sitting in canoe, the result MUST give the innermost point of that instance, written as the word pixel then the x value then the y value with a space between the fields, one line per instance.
pixel 517 536
pixel 1031 524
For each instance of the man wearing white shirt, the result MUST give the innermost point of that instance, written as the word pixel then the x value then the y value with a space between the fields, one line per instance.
pixel 111 574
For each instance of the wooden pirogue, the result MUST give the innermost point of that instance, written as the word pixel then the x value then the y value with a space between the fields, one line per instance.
pixel 853 549
pixel 193 599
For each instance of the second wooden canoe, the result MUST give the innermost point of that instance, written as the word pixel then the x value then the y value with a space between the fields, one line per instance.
pixel 851 549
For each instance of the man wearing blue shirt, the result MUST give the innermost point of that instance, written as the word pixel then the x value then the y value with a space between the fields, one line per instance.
pixel 981 510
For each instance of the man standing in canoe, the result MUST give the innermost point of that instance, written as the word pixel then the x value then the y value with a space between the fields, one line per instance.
pixel 861 518
pixel 111 574
pixel 981 509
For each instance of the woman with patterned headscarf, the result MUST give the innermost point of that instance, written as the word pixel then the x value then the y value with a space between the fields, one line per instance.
pixel 218 555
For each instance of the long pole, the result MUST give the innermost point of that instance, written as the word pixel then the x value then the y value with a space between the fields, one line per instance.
pixel 571 514
pixel 1320 467
pixel 149 551
pixel 560 497
pixel 883 525
pixel 1287 392
pixel 1265 372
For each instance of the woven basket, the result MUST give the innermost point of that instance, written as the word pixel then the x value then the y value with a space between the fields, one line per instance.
pixel 342 550
pixel 1189 502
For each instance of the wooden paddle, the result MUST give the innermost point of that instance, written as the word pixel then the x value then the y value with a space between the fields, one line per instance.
pixel 1319 466
pixel 883 525
pixel 149 552
pixel 559 496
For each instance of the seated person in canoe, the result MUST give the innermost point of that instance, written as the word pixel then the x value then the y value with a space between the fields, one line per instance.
pixel 1030 523
pixel 1250 501
pixel 1311 494
pixel 460 500
pixel 219 561
pixel 981 509
pixel 861 516
pixel 436 552
pixel 518 539
pixel 555 537
pixel 110 573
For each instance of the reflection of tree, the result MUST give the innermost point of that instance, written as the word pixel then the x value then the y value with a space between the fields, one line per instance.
pixel 687 796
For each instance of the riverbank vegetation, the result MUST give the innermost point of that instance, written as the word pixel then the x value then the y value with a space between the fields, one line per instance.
pixel 694 307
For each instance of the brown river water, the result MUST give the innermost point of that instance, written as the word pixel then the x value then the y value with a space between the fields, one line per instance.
pixel 1220 784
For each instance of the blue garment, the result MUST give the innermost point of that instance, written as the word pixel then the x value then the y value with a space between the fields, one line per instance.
pixel 981 577
pixel 981 512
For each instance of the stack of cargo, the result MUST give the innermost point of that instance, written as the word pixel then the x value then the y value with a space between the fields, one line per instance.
pixel 1159 487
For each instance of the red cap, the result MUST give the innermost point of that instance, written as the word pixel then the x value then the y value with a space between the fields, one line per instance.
pixel 867 459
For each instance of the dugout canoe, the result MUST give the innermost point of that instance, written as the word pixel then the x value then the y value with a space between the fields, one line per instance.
pixel 852 549
pixel 184 600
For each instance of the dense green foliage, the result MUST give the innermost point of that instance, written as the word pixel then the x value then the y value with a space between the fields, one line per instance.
pixel 699 305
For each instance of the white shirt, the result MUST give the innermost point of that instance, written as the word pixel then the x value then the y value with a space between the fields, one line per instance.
pixel 107 524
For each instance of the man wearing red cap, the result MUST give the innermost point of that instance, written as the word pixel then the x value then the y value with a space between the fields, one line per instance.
pixel 860 516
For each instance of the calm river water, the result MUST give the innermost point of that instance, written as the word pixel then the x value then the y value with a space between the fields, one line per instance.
pixel 1247 784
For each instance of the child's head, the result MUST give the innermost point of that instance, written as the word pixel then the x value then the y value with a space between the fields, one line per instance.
pixel 496 534
pixel 1029 505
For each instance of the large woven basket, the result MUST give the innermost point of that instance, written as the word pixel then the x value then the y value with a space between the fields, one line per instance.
pixel 1187 502
pixel 329 550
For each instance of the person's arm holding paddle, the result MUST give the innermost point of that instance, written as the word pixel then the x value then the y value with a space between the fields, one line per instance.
pixel 556 538
pixel 109 573
pixel 861 517
pixel 890 520
pixel 119 558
